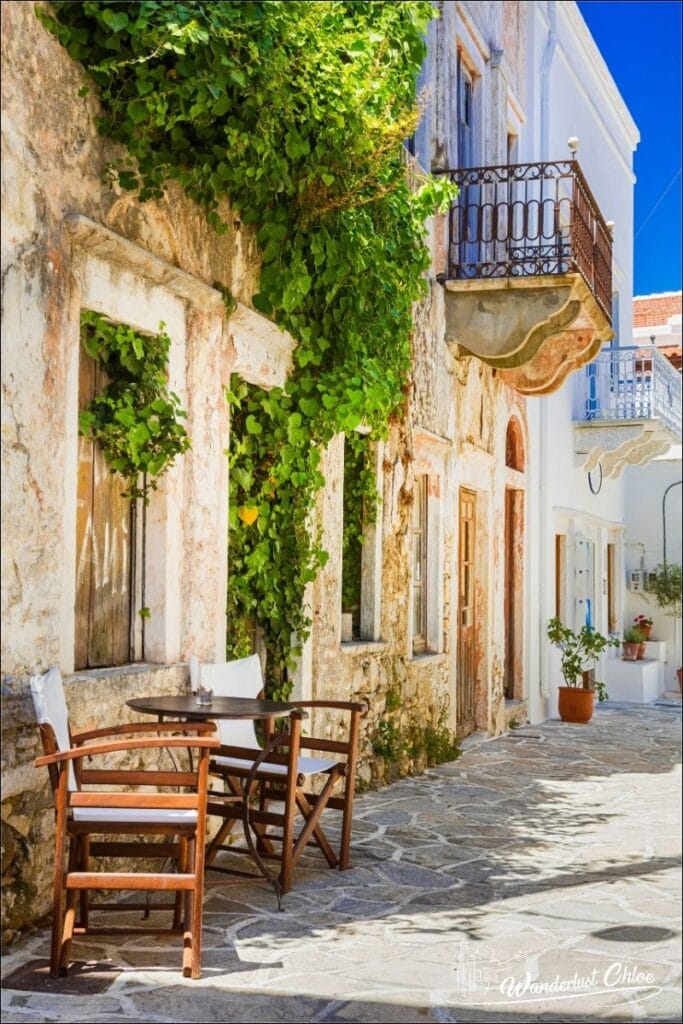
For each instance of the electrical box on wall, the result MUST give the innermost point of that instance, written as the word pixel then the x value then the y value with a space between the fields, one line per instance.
pixel 640 581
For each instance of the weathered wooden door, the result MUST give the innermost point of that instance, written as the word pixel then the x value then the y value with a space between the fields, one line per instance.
pixel 467 669
pixel 514 595
pixel 103 549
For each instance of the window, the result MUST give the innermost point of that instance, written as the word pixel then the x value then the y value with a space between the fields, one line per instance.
pixel 361 541
pixel 560 575
pixel 420 540
pixel 612 619
pixel 109 547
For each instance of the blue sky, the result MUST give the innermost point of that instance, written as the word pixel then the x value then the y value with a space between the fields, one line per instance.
pixel 641 43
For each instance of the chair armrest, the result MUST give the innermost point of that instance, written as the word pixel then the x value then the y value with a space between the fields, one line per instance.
pixel 343 705
pixel 138 727
pixel 76 753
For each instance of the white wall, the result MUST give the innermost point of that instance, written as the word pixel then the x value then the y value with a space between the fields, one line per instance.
pixel 566 69
pixel 644 490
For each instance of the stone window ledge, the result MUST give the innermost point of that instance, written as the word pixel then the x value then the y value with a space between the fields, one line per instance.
pixel 428 658
pixel 140 668
pixel 364 647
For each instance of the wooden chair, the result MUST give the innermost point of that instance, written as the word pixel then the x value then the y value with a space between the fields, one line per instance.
pixel 81 814
pixel 286 777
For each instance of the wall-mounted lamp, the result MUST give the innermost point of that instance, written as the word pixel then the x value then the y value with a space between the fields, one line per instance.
pixel 573 144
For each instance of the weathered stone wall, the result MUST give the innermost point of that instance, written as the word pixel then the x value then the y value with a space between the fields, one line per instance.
pixel 457 413
pixel 72 242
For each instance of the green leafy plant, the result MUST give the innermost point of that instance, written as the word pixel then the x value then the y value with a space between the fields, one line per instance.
pixel 392 699
pixel 388 741
pixel 434 743
pixel 665 586
pixel 579 650
pixel 633 635
pixel 135 419
pixel 294 114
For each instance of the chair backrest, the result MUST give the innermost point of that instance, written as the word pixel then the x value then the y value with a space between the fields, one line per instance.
pixel 240 678
pixel 50 705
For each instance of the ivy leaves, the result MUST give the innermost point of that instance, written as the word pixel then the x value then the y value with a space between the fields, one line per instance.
pixel 136 420
pixel 295 112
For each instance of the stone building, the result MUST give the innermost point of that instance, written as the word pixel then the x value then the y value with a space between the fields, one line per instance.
pixel 70 243
pixel 488 521
pixel 489 524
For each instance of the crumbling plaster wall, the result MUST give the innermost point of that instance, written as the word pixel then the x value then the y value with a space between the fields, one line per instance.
pixel 455 423
pixel 70 241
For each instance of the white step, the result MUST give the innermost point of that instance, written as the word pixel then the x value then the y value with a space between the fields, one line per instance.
pixel 638 682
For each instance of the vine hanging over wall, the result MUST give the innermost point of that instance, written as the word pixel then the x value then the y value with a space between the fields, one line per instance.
pixel 136 420
pixel 296 113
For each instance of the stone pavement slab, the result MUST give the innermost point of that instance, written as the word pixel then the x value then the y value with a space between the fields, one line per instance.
pixel 535 879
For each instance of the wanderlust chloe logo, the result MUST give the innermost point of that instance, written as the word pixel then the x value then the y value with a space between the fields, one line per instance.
pixel 478 973
pixel 619 976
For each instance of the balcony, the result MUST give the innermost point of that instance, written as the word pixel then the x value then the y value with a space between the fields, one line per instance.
pixel 628 409
pixel 529 278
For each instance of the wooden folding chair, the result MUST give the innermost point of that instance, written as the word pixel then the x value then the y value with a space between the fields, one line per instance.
pixel 81 814
pixel 286 777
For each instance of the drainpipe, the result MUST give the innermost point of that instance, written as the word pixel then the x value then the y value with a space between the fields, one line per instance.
pixel 543 453
pixel 677 483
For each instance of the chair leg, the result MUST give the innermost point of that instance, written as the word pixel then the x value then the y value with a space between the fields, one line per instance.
pixel 347 821
pixel 58 879
pixel 197 901
pixel 188 903
pixel 349 793
pixel 312 813
pixel 84 895
pixel 182 868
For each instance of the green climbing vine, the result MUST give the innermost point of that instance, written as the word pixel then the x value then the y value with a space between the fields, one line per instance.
pixel 135 419
pixel 295 113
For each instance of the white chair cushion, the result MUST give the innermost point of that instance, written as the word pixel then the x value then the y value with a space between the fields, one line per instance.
pixel 50 706
pixel 306 765
pixel 134 815
pixel 239 678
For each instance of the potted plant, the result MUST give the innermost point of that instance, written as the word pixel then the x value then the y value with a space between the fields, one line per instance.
pixel 631 641
pixel 579 651
pixel 644 623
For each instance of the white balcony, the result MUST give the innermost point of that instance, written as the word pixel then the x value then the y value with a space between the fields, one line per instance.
pixel 628 409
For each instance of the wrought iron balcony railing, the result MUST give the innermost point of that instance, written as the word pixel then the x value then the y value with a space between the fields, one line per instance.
pixel 529 220
pixel 632 384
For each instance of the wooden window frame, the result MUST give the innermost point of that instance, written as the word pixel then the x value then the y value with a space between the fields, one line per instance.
pixel 421 531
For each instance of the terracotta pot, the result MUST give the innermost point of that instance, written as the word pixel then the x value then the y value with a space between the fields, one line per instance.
pixel 645 630
pixel 679 675
pixel 576 703
pixel 629 651
pixel 641 651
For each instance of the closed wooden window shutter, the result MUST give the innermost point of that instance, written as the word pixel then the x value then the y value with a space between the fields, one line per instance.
pixel 103 548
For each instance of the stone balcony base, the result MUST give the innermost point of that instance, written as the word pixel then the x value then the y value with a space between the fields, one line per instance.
pixel 534 331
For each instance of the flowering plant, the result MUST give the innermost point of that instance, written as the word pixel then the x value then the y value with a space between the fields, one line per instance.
pixel 643 621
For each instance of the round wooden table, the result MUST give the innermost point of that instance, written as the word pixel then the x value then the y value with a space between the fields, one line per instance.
pixel 220 707
pixel 186 708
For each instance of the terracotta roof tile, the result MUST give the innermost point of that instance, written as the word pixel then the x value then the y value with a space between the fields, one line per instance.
pixel 653 310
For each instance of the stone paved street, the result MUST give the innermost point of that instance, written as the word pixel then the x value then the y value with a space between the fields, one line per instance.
pixel 535 879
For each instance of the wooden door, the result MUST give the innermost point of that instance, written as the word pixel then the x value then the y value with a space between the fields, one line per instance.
pixel 103 549
pixel 466 679
pixel 514 595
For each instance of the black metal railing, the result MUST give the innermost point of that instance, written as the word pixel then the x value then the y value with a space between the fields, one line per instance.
pixel 529 220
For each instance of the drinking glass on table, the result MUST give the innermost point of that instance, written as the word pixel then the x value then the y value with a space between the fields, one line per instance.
pixel 204 694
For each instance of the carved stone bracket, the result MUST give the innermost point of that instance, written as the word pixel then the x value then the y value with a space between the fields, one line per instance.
pixel 534 330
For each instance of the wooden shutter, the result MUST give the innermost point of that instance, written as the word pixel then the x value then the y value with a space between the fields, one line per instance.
pixel 103 546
